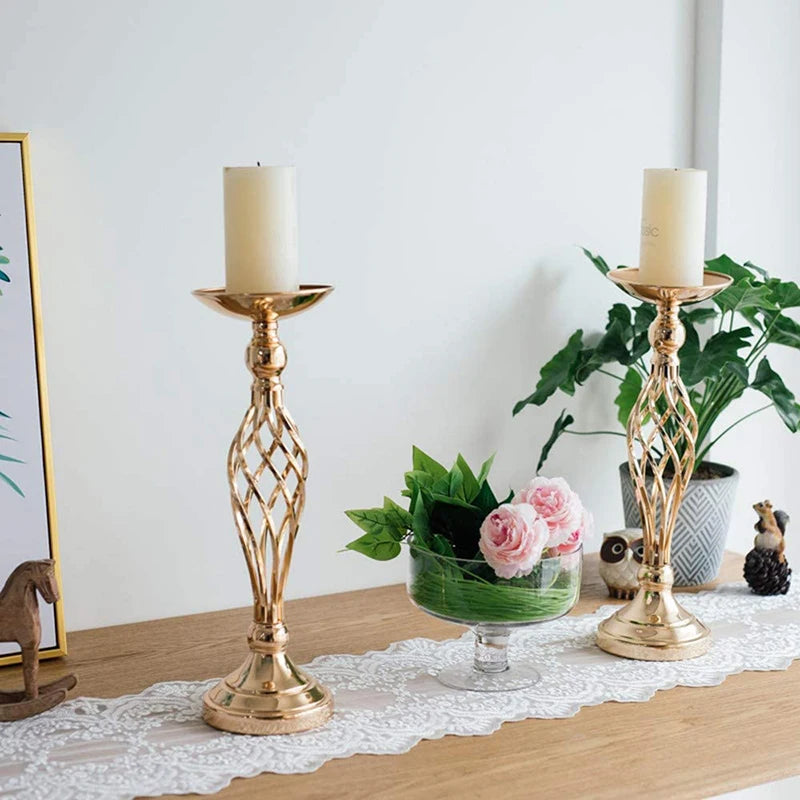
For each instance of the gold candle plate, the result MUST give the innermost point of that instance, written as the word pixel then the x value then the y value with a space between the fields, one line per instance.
pixel 653 626
pixel 267 471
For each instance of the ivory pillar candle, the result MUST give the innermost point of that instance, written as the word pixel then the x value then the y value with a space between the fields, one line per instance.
pixel 672 251
pixel 260 229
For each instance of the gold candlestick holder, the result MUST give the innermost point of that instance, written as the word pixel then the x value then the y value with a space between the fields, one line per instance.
pixel 267 471
pixel 662 431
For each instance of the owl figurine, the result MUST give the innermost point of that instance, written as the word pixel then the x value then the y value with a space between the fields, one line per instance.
pixel 620 558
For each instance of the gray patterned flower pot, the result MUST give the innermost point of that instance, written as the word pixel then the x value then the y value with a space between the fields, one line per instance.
pixel 698 541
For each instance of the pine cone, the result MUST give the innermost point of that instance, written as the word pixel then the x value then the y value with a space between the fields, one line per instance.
pixel 765 574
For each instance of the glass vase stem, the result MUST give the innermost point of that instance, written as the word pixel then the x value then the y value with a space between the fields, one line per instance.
pixel 491 648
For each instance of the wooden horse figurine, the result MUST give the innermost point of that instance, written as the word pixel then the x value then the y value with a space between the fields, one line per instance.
pixel 19 622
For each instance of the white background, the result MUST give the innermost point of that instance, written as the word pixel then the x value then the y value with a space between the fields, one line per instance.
pixel 759 211
pixel 451 157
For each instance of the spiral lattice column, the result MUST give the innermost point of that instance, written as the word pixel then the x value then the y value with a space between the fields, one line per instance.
pixel 267 478
pixel 662 430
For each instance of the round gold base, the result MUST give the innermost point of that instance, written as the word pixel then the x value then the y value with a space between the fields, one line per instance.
pixel 260 726
pixel 654 627
pixel 267 695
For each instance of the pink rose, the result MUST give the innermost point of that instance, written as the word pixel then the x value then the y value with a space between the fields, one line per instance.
pixel 512 540
pixel 556 503
pixel 577 536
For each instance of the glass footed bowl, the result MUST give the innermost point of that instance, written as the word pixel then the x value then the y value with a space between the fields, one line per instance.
pixel 468 592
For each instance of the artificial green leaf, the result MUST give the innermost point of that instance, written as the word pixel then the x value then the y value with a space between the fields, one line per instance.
pixel 697 316
pixel 613 345
pixel 484 471
pixel 561 424
pixel 760 270
pixel 396 515
pixel 785 294
pixel 380 521
pixel 727 266
pixel 471 485
pixel 743 294
pixel 459 522
pixel 740 370
pixel 639 346
pixel 558 373
pixel 627 395
pixel 456 484
pixel 699 365
pixel 485 499
pixel 441 485
pixel 424 463
pixel 752 316
pixel 414 480
pixel 437 497
pixel 2 414
pixel 8 458
pixel 619 313
pixel 784 331
pixel 442 546
pixel 598 261
pixel 420 524
pixel 11 483
pixel 768 382
pixel 624 341
pixel 586 363
pixel 643 316
pixel 380 546
pixel 4 277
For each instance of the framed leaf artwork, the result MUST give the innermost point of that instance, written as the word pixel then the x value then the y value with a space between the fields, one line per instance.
pixel 27 503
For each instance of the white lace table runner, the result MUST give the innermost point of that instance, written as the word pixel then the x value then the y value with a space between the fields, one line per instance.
pixel 155 743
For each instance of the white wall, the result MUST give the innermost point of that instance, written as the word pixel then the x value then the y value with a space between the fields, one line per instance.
pixel 759 220
pixel 451 156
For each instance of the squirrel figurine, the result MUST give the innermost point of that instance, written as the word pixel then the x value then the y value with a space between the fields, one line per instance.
pixel 765 568
pixel 771 527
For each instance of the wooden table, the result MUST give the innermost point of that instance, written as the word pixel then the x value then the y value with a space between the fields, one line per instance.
pixel 699 742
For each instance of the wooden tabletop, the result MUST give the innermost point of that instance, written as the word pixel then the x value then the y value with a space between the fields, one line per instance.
pixel 685 742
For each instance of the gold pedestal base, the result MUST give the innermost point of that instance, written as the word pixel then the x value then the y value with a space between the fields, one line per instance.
pixel 654 626
pixel 268 693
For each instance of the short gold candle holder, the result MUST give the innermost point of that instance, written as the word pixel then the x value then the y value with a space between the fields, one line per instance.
pixel 267 475
pixel 662 431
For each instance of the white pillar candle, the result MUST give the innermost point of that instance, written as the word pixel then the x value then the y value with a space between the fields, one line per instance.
pixel 260 229
pixel 673 227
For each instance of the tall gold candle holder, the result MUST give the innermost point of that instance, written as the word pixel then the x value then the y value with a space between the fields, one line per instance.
pixel 267 471
pixel 662 430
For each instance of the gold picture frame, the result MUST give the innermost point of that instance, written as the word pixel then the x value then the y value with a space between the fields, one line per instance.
pixel 12 146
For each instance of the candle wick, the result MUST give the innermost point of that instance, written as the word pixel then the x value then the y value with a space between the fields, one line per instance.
pixel 258 163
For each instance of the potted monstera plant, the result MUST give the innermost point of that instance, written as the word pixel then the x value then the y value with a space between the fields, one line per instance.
pixel 724 356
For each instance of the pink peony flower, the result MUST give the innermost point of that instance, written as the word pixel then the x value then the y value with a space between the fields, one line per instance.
pixel 512 540
pixel 556 503
pixel 576 538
